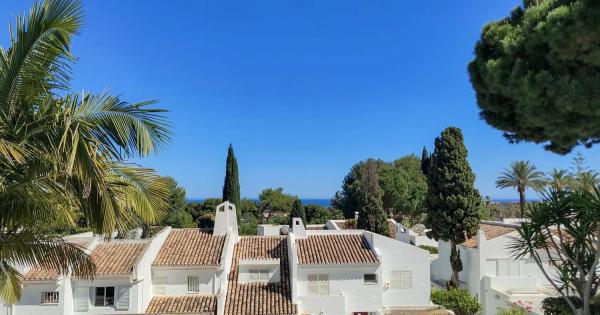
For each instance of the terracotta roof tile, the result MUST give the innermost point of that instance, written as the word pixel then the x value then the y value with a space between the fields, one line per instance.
pixel 260 298
pixel 190 247
pixel 183 304
pixel 335 249
pixel 491 231
pixel 40 273
pixel 117 258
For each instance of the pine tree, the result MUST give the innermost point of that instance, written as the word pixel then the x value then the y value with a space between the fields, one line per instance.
pixel 452 200
pixel 371 216
pixel 231 188
pixel 297 212
pixel 425 161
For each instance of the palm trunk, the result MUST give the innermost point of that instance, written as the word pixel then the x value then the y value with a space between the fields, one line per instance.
pixel 522 201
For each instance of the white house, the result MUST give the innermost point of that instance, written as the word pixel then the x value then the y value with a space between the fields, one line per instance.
pixel 355 272
pixel 491 273
pixel 122 283
pixel 195 271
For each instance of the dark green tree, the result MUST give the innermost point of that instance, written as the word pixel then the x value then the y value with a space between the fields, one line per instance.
pixel 297 212
pixel 371 216
pixel 452 200
pixel 231 188
pixel 425 161
pixel 316 214
pixel 536 73
pixel 404 187
pixel 277 200
pixel 176 215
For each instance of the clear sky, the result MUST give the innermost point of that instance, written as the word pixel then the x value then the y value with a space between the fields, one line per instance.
pixel 303 89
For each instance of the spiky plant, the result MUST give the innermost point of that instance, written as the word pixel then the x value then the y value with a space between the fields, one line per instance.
pixel 64 154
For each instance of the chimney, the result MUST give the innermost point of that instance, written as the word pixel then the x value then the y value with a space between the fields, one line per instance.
pixel 225 219
pixel 298 228
pixel 355 215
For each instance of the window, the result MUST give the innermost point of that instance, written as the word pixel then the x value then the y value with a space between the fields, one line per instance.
pixel 318 285
pixel 370 278
pixel 258 275
pixel 193 284
pixel 508 268
pixel 49 297
pixel 105 296
pixel 401 280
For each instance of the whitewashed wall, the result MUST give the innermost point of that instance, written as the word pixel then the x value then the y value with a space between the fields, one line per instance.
pixel 177 279
pixel 346 281
pixel 398 256
pixel 135 292
pixel 143 268
pixel 30 303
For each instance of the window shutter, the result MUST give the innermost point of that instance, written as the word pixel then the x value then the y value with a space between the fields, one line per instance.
pixel 122 298
pixel 160 285
pixel 82 299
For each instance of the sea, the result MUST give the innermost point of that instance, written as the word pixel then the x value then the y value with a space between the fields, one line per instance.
pixel 327 202
pixel 305 201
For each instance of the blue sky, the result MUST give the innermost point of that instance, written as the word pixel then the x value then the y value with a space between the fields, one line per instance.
pixel 303 89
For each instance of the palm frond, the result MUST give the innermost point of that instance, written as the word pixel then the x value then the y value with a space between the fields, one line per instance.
pixel 39 58
pixel 28 248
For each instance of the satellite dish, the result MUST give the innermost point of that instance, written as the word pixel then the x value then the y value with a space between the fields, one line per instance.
pixel 418 228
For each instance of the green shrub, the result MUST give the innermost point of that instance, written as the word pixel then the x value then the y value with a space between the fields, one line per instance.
pixel 430 249
pixel 459 301
pixel 512 311
pixel 558 305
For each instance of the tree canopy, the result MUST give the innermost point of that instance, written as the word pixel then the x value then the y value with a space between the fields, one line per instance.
pixel 297 212
pixel 277 200
pixel 402 181
pixel 452 200
pixel 231 187
pixel 536 73
pixel 372 217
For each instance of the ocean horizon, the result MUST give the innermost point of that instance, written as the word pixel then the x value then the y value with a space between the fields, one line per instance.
pixel 327 202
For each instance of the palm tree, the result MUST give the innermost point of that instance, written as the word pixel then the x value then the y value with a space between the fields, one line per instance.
pixel 587 181
pixel 559 180
pixel 521 175
pixel 64 154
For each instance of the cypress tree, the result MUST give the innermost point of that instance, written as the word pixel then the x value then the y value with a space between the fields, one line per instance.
pixel 231 188
pixel 298 212
pixel 452 200
pixel 371 216
pixel 425 161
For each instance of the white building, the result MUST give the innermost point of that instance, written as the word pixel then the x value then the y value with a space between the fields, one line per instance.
pixel 194 271
pixel 355 272
pixel 490 271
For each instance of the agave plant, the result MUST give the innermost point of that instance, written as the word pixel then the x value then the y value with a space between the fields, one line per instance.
pixel 64 154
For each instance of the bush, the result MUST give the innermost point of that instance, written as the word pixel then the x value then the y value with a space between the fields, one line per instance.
pixel 558 305
pixel 459 301
pixel 430 249
pixel 512 311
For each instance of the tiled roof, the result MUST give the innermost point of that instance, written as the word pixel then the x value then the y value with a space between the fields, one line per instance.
pixel 260 298
pixel 316 227
pixel 40 273
pixel 189 248
pixel 491 231
pixel 113 259
pixel 183 304
pixel 335 249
